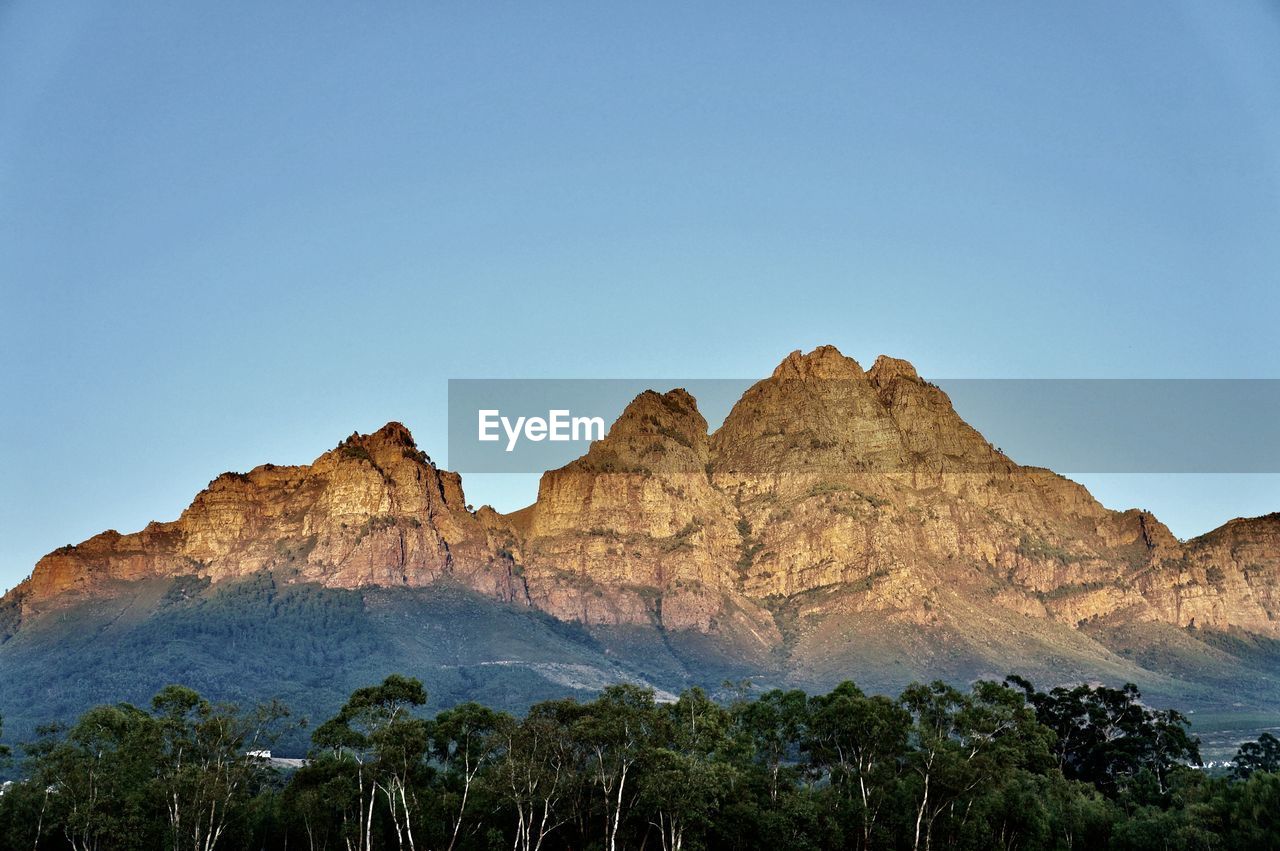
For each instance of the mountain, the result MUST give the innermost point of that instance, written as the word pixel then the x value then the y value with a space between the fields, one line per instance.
pixel 840 523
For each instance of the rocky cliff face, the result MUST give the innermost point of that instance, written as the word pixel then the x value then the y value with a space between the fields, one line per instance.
pixel 870 481
pixel 372 511
pixel 1231 576
pixel 639 517
pixel 829 491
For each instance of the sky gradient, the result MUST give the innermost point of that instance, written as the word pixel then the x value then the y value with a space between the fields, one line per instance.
pixel 235 234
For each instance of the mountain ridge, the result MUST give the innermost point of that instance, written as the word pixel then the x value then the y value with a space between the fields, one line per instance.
pixel 375 511
pixel 838 519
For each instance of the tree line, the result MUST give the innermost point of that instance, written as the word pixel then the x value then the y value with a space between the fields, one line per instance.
pixel 1000 765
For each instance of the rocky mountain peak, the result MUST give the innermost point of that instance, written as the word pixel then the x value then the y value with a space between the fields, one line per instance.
pixel 824 362
pixel 384 447
pixel 372 511
pixel 393 433
pixel 818 412
pixel 652 410
pixel 823 478
pixel 656 432
pixel 886 369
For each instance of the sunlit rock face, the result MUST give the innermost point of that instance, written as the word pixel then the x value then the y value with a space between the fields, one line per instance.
pixel 1229 577
pixel 372 511
pixel 639 515
pixel 828 492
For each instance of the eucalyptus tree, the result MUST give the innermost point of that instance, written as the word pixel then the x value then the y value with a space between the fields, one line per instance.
pixel 318 800
pixel 961 743
pixel 686 771
pixel 465 741
pixel 1107 736
pixel 860 742
pixel 614 731
pixel 206 766
pixel 774 726
pixel 376 734
pixel 98 777
pixel 24 812
pixel 1261 755
pixel 536 772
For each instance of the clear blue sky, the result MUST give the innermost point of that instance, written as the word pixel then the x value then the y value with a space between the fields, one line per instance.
pixel 236 233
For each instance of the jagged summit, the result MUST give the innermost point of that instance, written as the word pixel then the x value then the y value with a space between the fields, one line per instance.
pixel 392 440
pixel 824 362
pixel 656 431
pixel 820 413
pixel 372 511
pixel 886 368
pixel 393 433
pixel 828 363
pixel 866 488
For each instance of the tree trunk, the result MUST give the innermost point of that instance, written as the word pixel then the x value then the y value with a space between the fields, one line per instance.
pixel 924 801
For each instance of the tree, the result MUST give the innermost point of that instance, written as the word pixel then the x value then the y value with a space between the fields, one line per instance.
pixel 1255 811
pixel 204 768
pixel 1079 815
pixel 937 768
pixel 964 742
pixel 376 733
pixel 1106 736
pixel 535 771
pixel 98 776
pixel 1262 755
pixel 859 742
pixel 309 801
pixel 465 740
pixel 614 731
pixel 774 727
pixel 24 806
pixel 685 772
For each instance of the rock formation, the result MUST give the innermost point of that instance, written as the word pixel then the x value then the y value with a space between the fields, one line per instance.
pixel 372 511
pixel 864 488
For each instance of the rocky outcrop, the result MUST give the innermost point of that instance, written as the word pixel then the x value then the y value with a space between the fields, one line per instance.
pixel 373 511
pixel 871 481
pixel 827 491
pixel 639 516
pixel 1230 576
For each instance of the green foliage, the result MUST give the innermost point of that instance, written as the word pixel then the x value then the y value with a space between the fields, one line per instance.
pixel 993 766
pixel 1070 589
pixel 237 641
pixel 666 431
pixel 246 641
pixel 1262 755
pixel 1106 737
pixel 822 488
pixel 355 452
pixel 749 546
pixel 683 539
pixel 376 524
pixel 415 454
pixel 120 777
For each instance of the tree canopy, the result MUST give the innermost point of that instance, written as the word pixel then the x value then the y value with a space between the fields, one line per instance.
pixel 994 765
